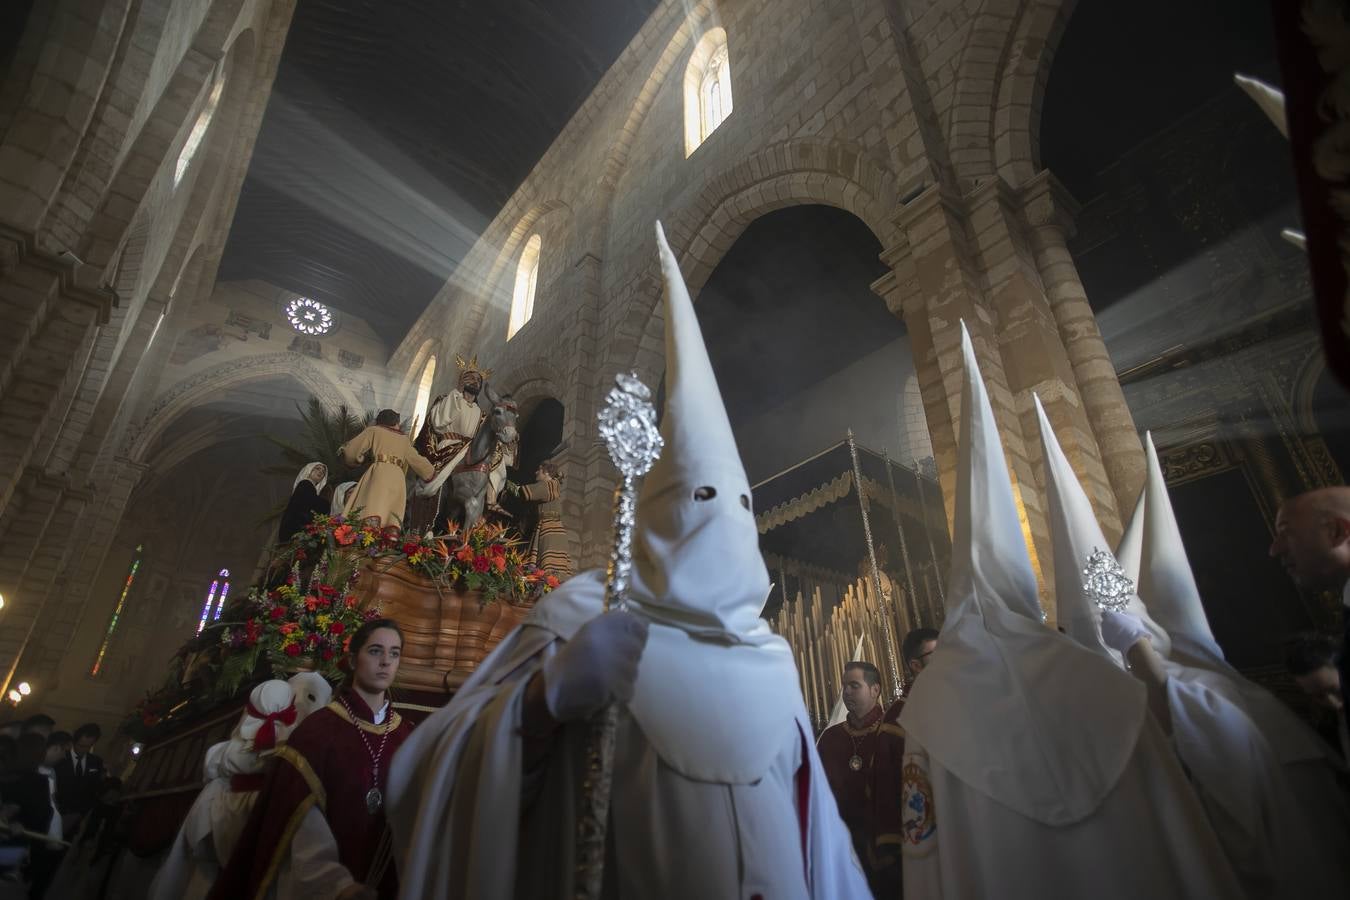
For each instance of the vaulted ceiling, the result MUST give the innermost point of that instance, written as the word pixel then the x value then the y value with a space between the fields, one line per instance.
pixel 395 132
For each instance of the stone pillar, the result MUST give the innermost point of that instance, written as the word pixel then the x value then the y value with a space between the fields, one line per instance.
pixel 40 522
pixel 47 313
pixel 1049 212
pixel 1036 359
pixel 74 604
pixel 937 285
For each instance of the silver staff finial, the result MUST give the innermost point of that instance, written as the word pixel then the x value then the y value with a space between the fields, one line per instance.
pixel 1106 583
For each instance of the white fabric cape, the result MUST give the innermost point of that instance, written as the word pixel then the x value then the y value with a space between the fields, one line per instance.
pixel 463 843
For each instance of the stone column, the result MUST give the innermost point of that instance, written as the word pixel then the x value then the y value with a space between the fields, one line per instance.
pixel 1033 351
pixel 1049 212
pixel 48 311
pixel 74 605
pixel 937 285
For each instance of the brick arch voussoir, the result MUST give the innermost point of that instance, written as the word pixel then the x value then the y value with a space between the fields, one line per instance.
pixel 701 235
pixel 209 383
pixel 970 126
pixel 1017 116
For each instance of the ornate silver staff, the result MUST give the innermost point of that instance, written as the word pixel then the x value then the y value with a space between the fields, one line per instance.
pixel 1105 582
pixel 627 424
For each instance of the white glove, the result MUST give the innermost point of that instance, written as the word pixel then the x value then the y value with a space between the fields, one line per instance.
pixel 1121 631
pixel 596 667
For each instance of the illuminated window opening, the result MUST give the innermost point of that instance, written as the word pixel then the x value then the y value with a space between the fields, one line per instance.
pixel 707 89
pixel 116 613
pixel 527 279
pixel 212 607
pixel 423 394
pixel 198 132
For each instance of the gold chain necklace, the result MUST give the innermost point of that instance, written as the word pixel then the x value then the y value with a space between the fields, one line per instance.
pixel 855 761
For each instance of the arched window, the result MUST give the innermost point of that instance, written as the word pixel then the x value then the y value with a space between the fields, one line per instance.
pixel 527 278
pixel 707 89
pixel 117 612
pixel 215 599
pixel 198 132
pixel 423 394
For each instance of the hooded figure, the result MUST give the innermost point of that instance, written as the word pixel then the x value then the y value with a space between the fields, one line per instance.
pixel 1311 772
pixel 1032 769
pixel 233 775
pixel 712 797
pixel 341 494
pixel 305 502
pixel 1235 771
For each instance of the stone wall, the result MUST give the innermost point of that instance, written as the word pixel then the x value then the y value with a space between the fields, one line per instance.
pixel 104 253
pixel 920 119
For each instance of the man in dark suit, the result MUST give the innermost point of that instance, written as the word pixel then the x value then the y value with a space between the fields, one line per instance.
pixel 79 776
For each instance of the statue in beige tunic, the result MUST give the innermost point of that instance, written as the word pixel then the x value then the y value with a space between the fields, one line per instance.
pixel 549 547
pixel 381 493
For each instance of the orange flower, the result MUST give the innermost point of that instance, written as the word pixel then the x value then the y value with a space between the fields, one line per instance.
pixel 552 581
pixel 311 603
pixel 288 628
pixel 443 550
pixel 465 554
pixel 499 563
pixel 344 535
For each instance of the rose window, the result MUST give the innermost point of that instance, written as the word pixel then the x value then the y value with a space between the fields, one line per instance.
pixel 309 316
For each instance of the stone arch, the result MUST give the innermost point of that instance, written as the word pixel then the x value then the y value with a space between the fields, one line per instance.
pixel 970 126
pixel 481 291
pixel 537 380
pixel 793 173
pixel 198 388
pixel 1021 90
pixel 430 347
pixel 170 121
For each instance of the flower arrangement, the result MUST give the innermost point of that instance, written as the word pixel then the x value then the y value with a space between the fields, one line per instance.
pixel 303 614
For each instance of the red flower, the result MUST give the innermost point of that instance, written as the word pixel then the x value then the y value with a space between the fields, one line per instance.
pixel 311 603
pixel 327 590
pixel 481 564
pixel 409 549
pixel 292 649
pixel 336 628
pixel 497 550
pixel 327 654
pixel 344 535
pixel 350 601
pixel 278 612
pixel 312 639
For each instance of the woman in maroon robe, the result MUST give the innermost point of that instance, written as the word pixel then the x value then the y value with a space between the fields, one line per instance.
pixel 318 830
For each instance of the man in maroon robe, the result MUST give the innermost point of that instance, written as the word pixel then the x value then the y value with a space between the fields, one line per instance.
pixel 318 829
pixel 862 759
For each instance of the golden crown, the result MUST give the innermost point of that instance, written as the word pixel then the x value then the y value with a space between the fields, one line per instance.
pixel 471 367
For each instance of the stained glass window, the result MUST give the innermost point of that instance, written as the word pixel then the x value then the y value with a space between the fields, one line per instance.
pixel 215 599
pixel 309 316
pixel 117 612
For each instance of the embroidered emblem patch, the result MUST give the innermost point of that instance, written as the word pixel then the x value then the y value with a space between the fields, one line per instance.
pixel 918 822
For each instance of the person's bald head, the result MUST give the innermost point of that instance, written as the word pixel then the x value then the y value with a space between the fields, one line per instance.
pixel 1312 538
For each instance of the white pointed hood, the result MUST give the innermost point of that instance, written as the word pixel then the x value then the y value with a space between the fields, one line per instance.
pixel 1012 708
pixel 697 564
pixel 1076 534
pixel 1131 545
pixel 1165 580
pixel 1167 587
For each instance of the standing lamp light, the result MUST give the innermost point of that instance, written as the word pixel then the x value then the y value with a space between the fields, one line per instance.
pixel 25 688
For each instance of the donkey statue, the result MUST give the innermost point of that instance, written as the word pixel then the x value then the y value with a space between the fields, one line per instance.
pixel 466 496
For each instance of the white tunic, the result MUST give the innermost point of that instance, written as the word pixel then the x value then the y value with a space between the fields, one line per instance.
pixel 469 823
pixel 1147 839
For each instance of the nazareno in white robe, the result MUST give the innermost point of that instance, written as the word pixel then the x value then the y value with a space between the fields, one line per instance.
pixel 469 823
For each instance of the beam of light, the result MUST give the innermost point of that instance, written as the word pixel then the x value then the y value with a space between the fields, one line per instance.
pixel 374 189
